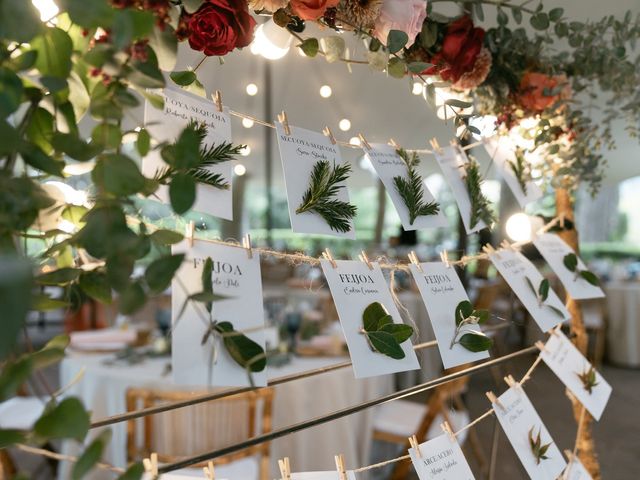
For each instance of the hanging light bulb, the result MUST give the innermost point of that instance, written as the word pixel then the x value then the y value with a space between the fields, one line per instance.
pixel 239 170
pixel 270 41
pixel 325 91
pixel 47 8
pixel 519 228
pixel 251 89
pixel 417 88
pixel 354 141
pixel 345 125
pixel 247 123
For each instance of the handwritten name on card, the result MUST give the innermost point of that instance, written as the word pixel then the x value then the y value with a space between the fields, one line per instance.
pixel 554 249
pixel 440 459
pixel 441 291
pixel 388 164
pixel 566 361
pixel 236 277
pixel 321 475
pixel 354 287
pixel 518 417
pixel 299 153
pixel 452 160
pixel 523 278
pixel 165 125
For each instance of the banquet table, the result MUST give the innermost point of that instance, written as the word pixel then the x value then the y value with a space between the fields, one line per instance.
pixel 623 325
pixel 103 388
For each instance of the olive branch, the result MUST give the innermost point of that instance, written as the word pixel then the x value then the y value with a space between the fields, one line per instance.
pixel 412 189
pixel 570 261
pixel 542 294
pixel 472 340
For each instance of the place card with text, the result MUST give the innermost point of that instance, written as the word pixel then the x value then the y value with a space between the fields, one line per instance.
pixel 441 291
pixel 525 280
pixel 354 286
pixel 554 250
pixel 322 475
pixel 577 374
pixel 521 423
pixel 440 458
pixel 508 161
pixel 388 165
pixel 575 470
pixel 301 152
pixel 166 125
pixel 198 360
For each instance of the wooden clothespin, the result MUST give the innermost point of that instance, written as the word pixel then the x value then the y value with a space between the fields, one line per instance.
pixel 363 141
pixel 151 465
pixel 447 429
pixel 444 257
pixel 342 471
pixel 328 133
pixel 542 347
pixel 282 118
pixel 246 243
pixel 285 468
pixel 364 258
pixel 393 143
pixel 489 250
pixel 413 441
pixel 209 471
pixel 507 246
pixel 435 145
pixel 327 256
pixel 554 331
pixel 190 230
pixel 217 99
pixel 493 399
pixel 413 258
pixel 511 382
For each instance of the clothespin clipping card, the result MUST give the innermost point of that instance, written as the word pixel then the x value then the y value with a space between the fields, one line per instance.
pixel 413 442
pixel 151 465
pixel 493 399
pixel 246 243
pixel 328 256
pixel 363 141
pixel 393 143
pixel 489 250
pixel 190 230
pixel 282 118
pixel 342 471
pixel 364 258
pixel 285 468
pixel 328 133
pixel 511 382
pixel 447 429
pixel 209 471
pixel 542 347
pixel 435 145
pixel 217 98
pixel 413 258
pixel 444 257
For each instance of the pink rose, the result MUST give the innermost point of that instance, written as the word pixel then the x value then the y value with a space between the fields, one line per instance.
pixel 404 15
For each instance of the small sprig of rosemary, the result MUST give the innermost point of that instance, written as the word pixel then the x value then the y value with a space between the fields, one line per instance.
pixel 412 189
pixel 542 294
pixel 480 206
pixel 472 340
pixel 320 196
pixel 570 261
pixel 520 169
pixel 588 379
pixel 383 335
pixel 537 448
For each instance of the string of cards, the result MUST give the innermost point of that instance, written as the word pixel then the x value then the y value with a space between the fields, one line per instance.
pixel 378 341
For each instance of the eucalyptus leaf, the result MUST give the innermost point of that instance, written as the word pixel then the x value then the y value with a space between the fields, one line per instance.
pixel 386 344
pixel 310 47
pixel 13 376
pixel 68 419
pixel 91 455
pixel 53 48
pixel 118 174
pixel 399 331
pixel 475 341
pixel 96 284
pixel 166 237
pixel 397 68
pixel 396 40
pixel 570 261
pixel 246 353
pixel 134 472
pixel 132 298
pixel 372 315
pixel 184 77
pixel 182 192
pixel 590 277
pixel 60 276
pixel 9 437
pixel 143 142
pixel 463 311
pixel 75 147
pixel 160 272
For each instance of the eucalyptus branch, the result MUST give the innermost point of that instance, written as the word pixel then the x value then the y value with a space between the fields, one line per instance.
pixel 495 3
pixel 480 205
pixel 412 189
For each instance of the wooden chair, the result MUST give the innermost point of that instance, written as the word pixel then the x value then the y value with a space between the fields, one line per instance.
pixel 207 426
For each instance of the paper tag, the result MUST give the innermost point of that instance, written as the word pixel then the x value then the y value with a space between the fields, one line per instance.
pixel 517 416
pixel 566 361
pixel 354 287
pixel 441 291
pixel 388 164
pixel 322 475
pixel 554 249
pixel 502 151
pixel 515 268
pixel 441 459
pixel 299 152
pixel 576 471
pixel 236 277
pixel 165 125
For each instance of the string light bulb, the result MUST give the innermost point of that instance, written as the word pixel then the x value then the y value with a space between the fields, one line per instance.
pixel 518 227
pixel 245 151
pixel 325 91
pixel 417 88
pixel 271 41
pixel 344 125
pixel 239 170
pixel 247 123
pixel 252 89
pixel 354 141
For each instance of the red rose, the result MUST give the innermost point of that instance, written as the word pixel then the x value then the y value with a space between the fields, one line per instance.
pixel 460 48
pixel 311 9
pixel 219 26
pixel 538 91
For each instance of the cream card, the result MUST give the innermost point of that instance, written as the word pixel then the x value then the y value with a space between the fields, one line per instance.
pixel 165 125
pixel 236 277
pixel 575 470
pixel 515 268
pixel 440 459
pixel 300 152
pixel 554 249
pixel 441 291
pixel 517 416
pixel 388 164
pixel 354 287
pixel 321 475
pixel 502 152
pixel 566 361
pixel 452 160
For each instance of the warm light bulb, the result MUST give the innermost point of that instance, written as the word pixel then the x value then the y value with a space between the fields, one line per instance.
pixel 245 151
pixel 417 88
pixel 354 141
pixel 325 91
pixel 252 89
pixel 270 41
pixel 247 123
pixel 239 170
pixel 519 227
pixel 47 8
pixel 345 125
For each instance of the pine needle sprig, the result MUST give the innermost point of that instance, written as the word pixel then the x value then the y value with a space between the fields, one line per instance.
pixel 520 170
pixel 480 206
pixel 411 189
pixel 320 198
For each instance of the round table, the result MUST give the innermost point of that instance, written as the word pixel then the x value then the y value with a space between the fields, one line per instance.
pixel 623 325
pixel 103 388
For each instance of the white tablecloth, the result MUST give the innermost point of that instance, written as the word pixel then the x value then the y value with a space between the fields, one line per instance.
pixel 103 388
pixel 623 328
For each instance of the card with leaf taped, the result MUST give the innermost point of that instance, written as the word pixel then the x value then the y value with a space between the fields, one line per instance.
pixel 217 315
pixel 167 123
pixel 440 458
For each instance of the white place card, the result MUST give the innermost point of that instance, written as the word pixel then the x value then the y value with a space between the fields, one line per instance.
pixel 388 164
pixel 515 268
pixel 300 152
pixel 575 470
pixel 502 151
pixel 354 287
pixel 236 277
pixel 566 361
pixel 321 475
pixel 554 249
pixel 452 160
pixel 441 291
pixel 517 417
pixel 165 125
pixel 440 459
